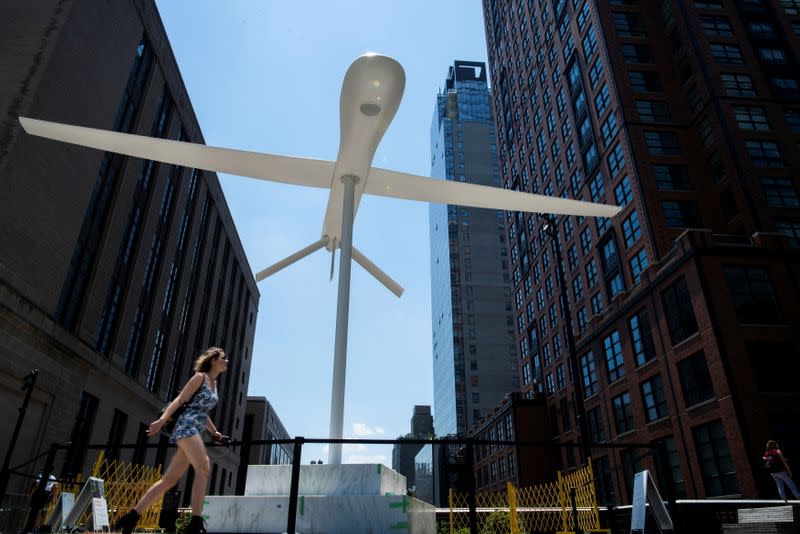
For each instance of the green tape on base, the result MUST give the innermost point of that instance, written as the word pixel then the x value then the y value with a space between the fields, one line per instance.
pixel 402 503
pixel 302 504
pixel 379 469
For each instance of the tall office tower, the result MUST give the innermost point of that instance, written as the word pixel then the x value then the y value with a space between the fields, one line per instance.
pixel 474 353
pixel 422 421
pixel 403 454
pixel 687 114
pixel 115 273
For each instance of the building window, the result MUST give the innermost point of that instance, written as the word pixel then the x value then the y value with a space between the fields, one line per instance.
pixel 674 460
pixel 764 153
pixel 636 53
pixel 614 361
pixel 616 160
pixel 597 304
pixel 566 420
pixel 713 25
pixel 651 111
pixel 753 295
pixel 662 144
pixel 631 230
pixel 638 263
pixel 623 193
pixel 671 177
pixel 597 432
pixel 738 84
pixel 623 413
pixel 645 81
pixel 751 118
pixel 680 214
pixel 791 229
pixel 641 338
pixel 655 404
pixel 591 273
pixel 588 374
pixel 719 473
pixel 677 302
pixel 695 379
pixel 726 53
pixel 779 191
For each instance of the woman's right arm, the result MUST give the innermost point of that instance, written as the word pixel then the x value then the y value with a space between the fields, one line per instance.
pixel 186 393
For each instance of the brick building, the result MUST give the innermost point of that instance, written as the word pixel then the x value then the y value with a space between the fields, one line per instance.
pixel 515 418
pixel 687 114
pixel 114 272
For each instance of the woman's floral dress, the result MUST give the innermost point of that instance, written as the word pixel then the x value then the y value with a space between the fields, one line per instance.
pixel 193 419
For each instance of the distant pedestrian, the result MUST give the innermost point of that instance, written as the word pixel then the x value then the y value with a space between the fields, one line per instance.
pixel 200 394
pixel 775 463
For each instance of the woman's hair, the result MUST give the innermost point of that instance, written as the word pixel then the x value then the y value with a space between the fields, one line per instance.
pixel 772 444
pixel 203 362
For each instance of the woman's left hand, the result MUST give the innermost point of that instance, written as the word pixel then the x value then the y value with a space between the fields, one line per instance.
pixel 155 427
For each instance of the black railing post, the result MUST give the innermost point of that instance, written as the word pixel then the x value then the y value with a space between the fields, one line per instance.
pixel 573 493
pixel 291 521
pixel 28 383
pixel 39 494
pixel 473 515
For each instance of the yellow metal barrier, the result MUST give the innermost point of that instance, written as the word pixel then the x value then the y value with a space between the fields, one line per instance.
pixel 540 508
pixel 124 484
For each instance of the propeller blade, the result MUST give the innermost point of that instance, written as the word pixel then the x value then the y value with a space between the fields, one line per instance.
pixel 297 256
pixel 333 258
pixel 375 271
pixel 284 169
pixel 412 187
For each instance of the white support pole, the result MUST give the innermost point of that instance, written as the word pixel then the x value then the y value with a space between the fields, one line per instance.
pixel 342 316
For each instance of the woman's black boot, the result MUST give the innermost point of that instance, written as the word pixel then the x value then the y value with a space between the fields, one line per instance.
pixel 196 525
pixel 127 522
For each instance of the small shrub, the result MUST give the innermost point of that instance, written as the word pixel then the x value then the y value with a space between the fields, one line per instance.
pixel 182 521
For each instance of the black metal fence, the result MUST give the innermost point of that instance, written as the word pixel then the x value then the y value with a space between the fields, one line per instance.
pixel 19 513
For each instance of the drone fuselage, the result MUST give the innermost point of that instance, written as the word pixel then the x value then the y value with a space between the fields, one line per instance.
pixel 371 93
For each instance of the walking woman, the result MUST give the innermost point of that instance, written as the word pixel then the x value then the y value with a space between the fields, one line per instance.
pixel 201 394
pixel 775 463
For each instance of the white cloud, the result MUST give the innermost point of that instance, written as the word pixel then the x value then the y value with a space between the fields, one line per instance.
pixel 361 430
pixel 367 459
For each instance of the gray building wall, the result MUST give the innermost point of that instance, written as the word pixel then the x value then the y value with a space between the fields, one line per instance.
pixel 474 353
pixel 186 283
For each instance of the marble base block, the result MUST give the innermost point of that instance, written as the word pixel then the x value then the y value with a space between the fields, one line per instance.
pixel 347 479
pixel 328 514
pixel 333 499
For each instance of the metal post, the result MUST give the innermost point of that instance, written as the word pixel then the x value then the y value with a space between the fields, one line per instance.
pixel 342 316
pixel 39 494
pixel 294 487
pixel 473 515
pixel 574 368
pixel 28 383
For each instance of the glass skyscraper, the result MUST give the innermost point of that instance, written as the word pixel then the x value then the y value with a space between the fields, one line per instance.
pixel 474 353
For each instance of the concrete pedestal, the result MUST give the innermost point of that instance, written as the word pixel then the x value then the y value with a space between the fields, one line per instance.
pixel 350 498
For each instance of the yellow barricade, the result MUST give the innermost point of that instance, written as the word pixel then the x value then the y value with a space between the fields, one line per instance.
pixel 124 484
pixel 540 508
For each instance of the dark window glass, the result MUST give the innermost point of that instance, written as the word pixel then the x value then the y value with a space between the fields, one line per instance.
pixel 719 473
pixel 641 337
pixel 655 404
pixel 695 379
pixel 623 413
pixel 677 302
pixel 753 295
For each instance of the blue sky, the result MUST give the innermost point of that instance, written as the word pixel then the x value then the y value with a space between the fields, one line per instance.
pixel 266 76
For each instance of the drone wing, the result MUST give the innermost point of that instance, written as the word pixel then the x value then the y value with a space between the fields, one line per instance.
pixel 284 169
pixel 412 187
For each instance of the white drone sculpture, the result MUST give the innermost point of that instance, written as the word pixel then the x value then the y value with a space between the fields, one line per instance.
pixel 371 94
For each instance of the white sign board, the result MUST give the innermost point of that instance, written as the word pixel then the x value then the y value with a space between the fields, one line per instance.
pixel 644 492
pixel 99 513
